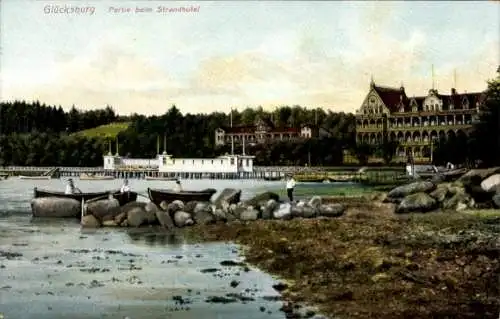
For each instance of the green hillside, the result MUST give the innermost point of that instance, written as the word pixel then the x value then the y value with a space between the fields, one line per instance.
pixel 107 131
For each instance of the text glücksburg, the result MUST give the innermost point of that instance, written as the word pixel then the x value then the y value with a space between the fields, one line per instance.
pixel 68 9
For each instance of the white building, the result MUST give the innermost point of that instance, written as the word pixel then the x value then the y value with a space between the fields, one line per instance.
pixel 167 164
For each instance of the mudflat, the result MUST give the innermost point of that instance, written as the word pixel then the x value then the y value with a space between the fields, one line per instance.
pixel 371 263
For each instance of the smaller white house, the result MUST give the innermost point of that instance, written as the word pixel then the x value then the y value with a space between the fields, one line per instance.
pixel 165 163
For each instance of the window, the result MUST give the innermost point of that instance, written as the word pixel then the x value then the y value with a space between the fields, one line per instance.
pixel 212 162
pixel 232 161
pixel 164 161
pixel 221 162
pixel 202 162
pixel 183 161
pixel 193 161
pixel 248 162
pixel 173 161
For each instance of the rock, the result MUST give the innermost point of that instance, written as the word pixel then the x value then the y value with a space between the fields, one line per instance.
pixel 284 212
pixel 203 217
pixel 440 192
pixel 103 207
pixel 164 219
pixel 331 210
pixel 303 210
pixel 238 209
pixel 229 195
pixel 164 205
pixel 249 214
pixel 224 206
pixel 476 176
pixel 124 223
pixel 459 201
pixel 120 218
pixel 56 207
pixel 496 200
pixel 491 183
pixel 151 210
pixel 412 188
pixel 315 202
pixel 136 213
pixel 90 221
pixel 190 206
pixel 268 209
pixel 220 215
pixel 478 193
pixel 182 218
pixel 175 206
pixel 262 198
pixel 110 223
pixel 418 202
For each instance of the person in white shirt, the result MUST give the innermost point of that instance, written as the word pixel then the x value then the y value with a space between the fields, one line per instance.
pixel 125 188
pixel 70 188
pixel 178 186
pixel 290 185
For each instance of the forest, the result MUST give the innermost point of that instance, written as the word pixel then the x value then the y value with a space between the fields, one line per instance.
pixel 41 135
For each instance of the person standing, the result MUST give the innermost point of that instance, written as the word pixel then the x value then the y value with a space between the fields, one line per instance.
pixel 125 188
pixel 178 186
pixel 290 185
pixel 71 189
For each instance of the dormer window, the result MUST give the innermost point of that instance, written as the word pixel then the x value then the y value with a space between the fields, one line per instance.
pixel 465 103
pixel 401 108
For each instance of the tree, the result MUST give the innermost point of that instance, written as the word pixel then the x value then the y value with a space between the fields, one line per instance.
pixel 487 130
pixel 363 151
pixel 387 150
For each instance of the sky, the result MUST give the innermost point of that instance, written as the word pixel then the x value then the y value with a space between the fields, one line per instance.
pixel 225 55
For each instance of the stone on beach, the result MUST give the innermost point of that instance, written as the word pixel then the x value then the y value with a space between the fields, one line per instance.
pixel 491 183
pixel 90 221
pixel 182 218
pixel 229 195
pixel 262 198
pixel 412 188
pixel 331 210
pixel 418 202
pixel 164 219
pixel 136 214
pixel 102 208
pixel 284 212
pixel 268 209
pixel 55 207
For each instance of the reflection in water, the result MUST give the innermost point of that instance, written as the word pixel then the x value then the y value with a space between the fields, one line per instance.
pixel 156 238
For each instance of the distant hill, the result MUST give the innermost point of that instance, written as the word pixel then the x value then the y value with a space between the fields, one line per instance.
pixel 106 131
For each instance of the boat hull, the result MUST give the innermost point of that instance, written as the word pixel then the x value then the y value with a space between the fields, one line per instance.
pixel 85 177
pixel 123 198
pixel 35 177
pixel 151 178
pixel 159 195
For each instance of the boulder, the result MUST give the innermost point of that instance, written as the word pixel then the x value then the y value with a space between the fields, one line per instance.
pixel 103 207
pixel 164 205
pixel 418 202
pixel 284 212
pixel 90 221
pixel 303 210
pixel 238 209
pixel 331 210
pixel 440 192
pixel 203 215
pixel 151 210
pixel 136 213
pixel 459 201
pixel 164 219
pixel 315 202
pixel 182 218
pixel 269 208
pixel 491 183
pixel 175 206
pixel 229 195
pixel 120 218
pixel 190 206
pixel 412 188
pixel 476 176
pixel 262 198
pixel 56 207
pixel 220 215
pixel 496 200
pixel 249 214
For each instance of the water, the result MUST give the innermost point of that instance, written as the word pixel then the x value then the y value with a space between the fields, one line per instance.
pixel 64 271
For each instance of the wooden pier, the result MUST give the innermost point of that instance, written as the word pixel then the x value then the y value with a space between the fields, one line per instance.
pixel 259 172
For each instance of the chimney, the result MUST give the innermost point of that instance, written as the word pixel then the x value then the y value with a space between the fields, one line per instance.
pixel 453 91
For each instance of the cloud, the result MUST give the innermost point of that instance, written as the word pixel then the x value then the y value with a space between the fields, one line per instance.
pixel 300 65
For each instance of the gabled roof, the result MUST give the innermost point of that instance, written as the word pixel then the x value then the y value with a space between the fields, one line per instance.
pixel 391 97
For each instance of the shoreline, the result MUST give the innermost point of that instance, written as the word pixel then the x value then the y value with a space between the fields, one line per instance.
pixel 372 263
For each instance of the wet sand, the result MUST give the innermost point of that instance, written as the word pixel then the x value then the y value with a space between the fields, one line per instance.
pixel 53 269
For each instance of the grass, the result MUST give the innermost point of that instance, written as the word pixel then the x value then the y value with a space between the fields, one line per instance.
pixel 107 131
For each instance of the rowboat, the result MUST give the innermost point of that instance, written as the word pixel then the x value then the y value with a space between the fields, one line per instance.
pixel 95 177
pixel 123 198
pixel 159 195
pixel 160 178
pixel 39 177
